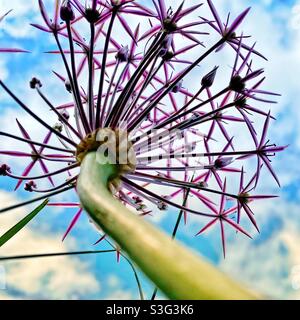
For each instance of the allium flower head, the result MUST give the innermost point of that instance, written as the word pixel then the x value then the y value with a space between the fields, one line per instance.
pixel 132 83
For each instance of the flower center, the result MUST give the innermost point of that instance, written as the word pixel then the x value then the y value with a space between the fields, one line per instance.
pixel 112 146
pixel 244 197
pixel 170 25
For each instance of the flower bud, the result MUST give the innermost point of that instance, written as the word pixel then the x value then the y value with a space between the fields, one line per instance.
pixel 177 87
pixel 167 56
pixel 30 186
pixel 35 83
pixel 65 114
pixel 208 80
pixel 162 206
pixel 166 45
pixel 237 84
pixel 123 54
pixel 137 199
pixel 203 184
pixel 58 127
pixel 66 11
pixel 223 162
pixel 68 86
pixel 4 169
pixel 92 15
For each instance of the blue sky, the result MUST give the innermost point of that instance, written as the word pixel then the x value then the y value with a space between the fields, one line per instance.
pixel 269 263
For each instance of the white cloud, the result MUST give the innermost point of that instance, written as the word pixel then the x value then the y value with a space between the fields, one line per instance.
pixel 266 263
pixel 17 24
pixel 119 295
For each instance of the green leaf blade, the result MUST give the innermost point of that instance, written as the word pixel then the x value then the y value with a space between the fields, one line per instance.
pixel 21 224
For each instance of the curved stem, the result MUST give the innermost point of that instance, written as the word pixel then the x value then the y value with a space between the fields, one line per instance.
pixel 176 271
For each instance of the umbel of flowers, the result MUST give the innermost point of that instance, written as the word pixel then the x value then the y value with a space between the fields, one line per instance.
pixel 141 76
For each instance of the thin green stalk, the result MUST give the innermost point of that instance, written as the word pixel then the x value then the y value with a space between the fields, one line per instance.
pixel 54 254
pixel 176 271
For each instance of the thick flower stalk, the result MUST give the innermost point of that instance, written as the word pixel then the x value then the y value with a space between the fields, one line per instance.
pixel 148 129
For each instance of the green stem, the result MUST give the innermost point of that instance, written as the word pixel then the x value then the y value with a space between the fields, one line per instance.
pixel 176 271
